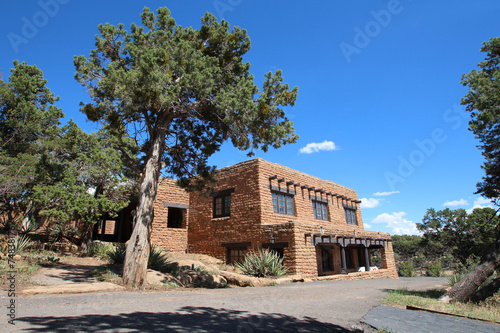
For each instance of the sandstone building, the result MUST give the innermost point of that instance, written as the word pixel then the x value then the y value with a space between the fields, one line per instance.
pixel 316 225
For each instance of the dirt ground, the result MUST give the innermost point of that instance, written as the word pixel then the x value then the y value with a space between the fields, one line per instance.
pixel 72 269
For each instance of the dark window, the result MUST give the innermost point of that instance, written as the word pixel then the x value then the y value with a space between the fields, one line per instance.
pixel 320 210
pixel 174 219
pixel 348 259
pixel 235 255
pixel 350 216
pixel 222 206
pixel 283 203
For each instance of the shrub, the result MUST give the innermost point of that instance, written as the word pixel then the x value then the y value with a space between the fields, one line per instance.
pixel 100 249
pixel 434 269
pixel 21 243
pixel 262 264
pixel 117 255
pixel 406 269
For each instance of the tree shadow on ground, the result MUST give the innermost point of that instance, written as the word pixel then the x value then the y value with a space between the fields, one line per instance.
pixel 186 319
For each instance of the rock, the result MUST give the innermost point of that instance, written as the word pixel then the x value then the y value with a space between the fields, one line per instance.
pixel 155 278
pixel 17 257
pixel 245 280
pixel 193 278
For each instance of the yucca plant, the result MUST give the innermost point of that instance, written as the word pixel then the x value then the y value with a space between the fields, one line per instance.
pixel 21 243
pixel 117 255
pixel 263 263
pixel 158 260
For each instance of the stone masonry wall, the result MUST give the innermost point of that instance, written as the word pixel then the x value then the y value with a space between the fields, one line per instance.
pixel 253 221
pixel 207 234
pixel 170 239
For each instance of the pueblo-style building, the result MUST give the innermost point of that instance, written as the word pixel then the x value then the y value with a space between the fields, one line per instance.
pixel 316 225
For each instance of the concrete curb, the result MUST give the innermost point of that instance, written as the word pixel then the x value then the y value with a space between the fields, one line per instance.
pixel 73 288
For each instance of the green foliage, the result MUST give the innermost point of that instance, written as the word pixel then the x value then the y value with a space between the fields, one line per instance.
pixel 187 90
pixel 483 102
pixel 434 269
pixel 158 260
pixel 88 181
pixel 407 246
pixel 376 258
pixel 117 255
pixel 28 118
pixel 263 263
pixel 460 233
pixel 406 269
pixel 21 243
pixel 99 249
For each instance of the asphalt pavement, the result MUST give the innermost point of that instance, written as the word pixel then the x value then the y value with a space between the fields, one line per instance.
pixel 321 306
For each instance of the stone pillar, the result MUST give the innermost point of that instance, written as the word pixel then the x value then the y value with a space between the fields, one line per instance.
pixel 344 263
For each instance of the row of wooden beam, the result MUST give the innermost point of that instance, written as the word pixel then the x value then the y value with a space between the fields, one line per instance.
pixel 310 188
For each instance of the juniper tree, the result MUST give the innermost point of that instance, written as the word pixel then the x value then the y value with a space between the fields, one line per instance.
pixel 181 92
pixel 83 180
pixel 483 102
pixel 28 118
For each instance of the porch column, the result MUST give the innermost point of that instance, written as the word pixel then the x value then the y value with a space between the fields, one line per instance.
pixel 344 263
pixel 367 259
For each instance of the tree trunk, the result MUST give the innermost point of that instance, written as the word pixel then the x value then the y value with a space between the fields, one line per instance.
pixel 136 257
pixel 489 290
pixel 86 237
pixel 469 284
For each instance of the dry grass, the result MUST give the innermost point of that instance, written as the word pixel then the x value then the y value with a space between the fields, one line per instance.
pixel 488 310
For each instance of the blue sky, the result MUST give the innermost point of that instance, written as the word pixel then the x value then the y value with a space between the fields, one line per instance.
pixel 379 86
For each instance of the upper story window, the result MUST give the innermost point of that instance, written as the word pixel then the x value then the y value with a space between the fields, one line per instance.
pixel 320 210
pixel 222 203
pixel 350 216
pixel 283 203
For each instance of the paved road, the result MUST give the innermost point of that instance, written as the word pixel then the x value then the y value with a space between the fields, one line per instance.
pixel 322 306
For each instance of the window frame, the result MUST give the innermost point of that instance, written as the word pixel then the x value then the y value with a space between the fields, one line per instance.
pixel 221 206
pixel 350 216
pixel 283 203
pixel 323 212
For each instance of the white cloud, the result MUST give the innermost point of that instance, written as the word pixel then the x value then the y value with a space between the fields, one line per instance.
pixel 367 226
pixel 454 203
pixel 481 203
pixel 315 147
pixel 382 194
pixel 369 203
pixel 397 223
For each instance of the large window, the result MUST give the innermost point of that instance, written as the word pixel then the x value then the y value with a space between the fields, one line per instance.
pixel 350 216
pixel 222 206
pixel 283 203
pixel 320 210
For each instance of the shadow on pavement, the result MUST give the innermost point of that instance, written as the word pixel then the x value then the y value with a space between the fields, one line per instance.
pixel 186 319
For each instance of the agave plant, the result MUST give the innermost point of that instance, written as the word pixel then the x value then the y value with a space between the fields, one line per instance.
pixel 263 263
